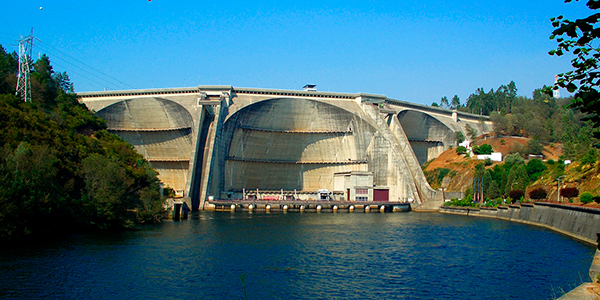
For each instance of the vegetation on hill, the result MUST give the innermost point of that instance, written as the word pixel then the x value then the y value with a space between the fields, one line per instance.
pixel 61 170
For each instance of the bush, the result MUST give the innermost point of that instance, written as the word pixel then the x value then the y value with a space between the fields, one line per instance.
pixel 516 194
pixel 466 202
pixel 459 137
pixel 487 162
pixel 442 174
pixel 597 199
pixel 461 150
pixel 538 194
pixel 569 192
pixel 586 197
pixel 484 149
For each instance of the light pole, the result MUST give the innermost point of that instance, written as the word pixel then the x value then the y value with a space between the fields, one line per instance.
pixel 558 187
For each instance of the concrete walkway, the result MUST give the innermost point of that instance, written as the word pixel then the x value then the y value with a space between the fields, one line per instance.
pixel 582 292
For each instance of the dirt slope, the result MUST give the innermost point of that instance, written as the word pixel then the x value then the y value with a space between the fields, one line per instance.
pixel 464 167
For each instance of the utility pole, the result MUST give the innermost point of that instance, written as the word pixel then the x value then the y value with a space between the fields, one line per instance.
pixel 23 82
pixel 558 187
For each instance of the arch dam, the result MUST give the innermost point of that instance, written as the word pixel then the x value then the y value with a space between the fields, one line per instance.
pixel 225 142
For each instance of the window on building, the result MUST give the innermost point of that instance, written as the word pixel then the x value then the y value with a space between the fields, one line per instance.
pixel 362 191
pixel 362 198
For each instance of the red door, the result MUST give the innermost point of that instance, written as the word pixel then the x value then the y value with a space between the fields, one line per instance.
pixel 381 195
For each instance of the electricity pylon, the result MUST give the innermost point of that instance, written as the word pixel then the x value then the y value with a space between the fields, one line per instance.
pixel 23 82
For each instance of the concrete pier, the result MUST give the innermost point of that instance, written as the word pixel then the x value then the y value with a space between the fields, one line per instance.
pixel 306 206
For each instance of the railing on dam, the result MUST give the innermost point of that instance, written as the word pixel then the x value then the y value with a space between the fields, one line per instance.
pixel 148 129
pixel 305 162
pixel 245 127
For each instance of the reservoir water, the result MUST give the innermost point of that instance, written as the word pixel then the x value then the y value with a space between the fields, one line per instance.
pixel 302 256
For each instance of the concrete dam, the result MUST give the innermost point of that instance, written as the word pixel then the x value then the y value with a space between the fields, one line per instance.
pixel 224 142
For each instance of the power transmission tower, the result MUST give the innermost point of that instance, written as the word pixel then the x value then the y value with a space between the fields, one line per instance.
pixel 23 82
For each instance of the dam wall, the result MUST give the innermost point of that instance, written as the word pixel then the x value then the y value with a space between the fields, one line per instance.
pixel 218 142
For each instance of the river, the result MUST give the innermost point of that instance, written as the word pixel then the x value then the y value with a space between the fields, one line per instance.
pixel 302 256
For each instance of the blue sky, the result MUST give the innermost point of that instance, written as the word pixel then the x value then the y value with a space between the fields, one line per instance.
pixel 416 51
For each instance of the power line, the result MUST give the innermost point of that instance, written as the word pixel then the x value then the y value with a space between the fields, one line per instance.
pixel 75 66
pixel 79 74
pixel 105 77
pixel 72 67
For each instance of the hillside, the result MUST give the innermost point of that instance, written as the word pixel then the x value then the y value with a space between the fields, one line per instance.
pixel 461 169
pixel 61 171
pixel 465 166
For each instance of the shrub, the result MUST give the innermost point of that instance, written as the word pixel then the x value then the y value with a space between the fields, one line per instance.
pixel 459 137
pixel 487 162
pixel 461 150
pixel 484 149
pixel 597 199
pixel 586 197
pixel 467 201
pixel 569 192
pixel 516 194
pixel 538 194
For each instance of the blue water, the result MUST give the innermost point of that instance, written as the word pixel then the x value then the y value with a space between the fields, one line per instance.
pixel 302 256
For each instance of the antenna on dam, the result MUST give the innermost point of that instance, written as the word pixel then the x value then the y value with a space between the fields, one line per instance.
pixel 23 82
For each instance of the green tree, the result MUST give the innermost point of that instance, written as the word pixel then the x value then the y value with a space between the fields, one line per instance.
pixel 444 102
pixel 9 65
pixel 499 123
pixel 493 191
pixel 534 147
pixel 517 178
pixel 513 159
pixel 455 104
pixel 108 192
pixel 60 171
pixel 589 158
pixel 471 132
pixel 535 168
pixel 459 137
pixel 580 38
